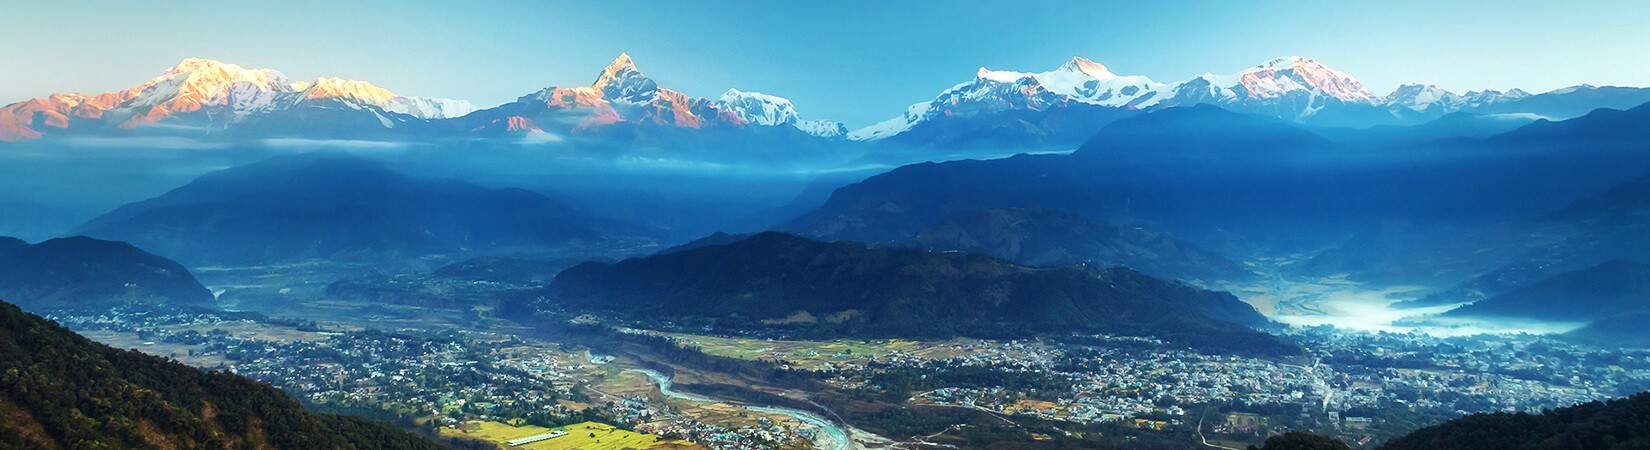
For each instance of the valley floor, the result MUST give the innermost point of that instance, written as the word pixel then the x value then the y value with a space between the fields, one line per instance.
pixel 397 363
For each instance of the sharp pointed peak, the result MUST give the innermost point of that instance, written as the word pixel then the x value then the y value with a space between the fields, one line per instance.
pixel 621 63
pixel 621 68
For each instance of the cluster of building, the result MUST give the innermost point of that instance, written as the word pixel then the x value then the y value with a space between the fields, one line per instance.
pixel 1353 384
pixel 1116 385
pixel 453 377
pixel 770 436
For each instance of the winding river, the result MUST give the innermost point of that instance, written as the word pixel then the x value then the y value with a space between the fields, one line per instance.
pixel 830 437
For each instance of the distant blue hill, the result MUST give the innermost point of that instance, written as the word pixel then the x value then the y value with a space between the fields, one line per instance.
pixel 350 208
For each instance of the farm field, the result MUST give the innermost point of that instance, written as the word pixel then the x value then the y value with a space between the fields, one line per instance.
pixel 814 354
pixel 180 352
pixel 587 435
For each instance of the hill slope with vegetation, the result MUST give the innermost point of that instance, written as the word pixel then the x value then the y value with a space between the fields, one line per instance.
pixel 61 390
pixel 1615 424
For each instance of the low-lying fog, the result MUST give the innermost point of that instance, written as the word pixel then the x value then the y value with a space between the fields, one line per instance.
pixel 1352 305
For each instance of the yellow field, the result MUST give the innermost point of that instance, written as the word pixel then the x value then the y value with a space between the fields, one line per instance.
pixel 578 437
pixel 811 354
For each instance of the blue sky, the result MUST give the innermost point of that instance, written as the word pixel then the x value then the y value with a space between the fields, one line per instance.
pixel 857 62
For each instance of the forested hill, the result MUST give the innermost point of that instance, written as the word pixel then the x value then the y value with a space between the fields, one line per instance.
pixel 78 271
pixel 775 280
pixel 1616 424
pixel 61 390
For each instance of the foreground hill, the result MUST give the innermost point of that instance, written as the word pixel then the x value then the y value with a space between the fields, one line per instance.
pixel 342 207
pixel 76 270
pixel 1616 424
pixel 61 390
pixel 783 282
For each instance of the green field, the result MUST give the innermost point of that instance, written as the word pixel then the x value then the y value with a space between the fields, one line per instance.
pixel 579 436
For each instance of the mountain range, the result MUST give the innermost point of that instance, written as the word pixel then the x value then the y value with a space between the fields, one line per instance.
pixel 622 95
pixel 1061 107
pixel 202 95
pixel 1054 109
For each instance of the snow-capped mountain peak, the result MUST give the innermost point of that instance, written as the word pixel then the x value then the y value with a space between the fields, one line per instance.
pixel 1000 76
pixel 431 108
pixel 1283 62
pixel 365 93
pixel 760 109
pixel 620 64
pixel 1421 97
pixel 1573 89
pixel 827 129
pixel 1079 81
pixel 1478 99
pixel 203 92
pixel 333 87
pixel 198 83
pixel 622 94
pixel 1282 75
pixel 1085 66
pixel 1090 82
pixel 1292 87
pixel 620 80
pixel 214 69
pixel 913 115
pixel 757 108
